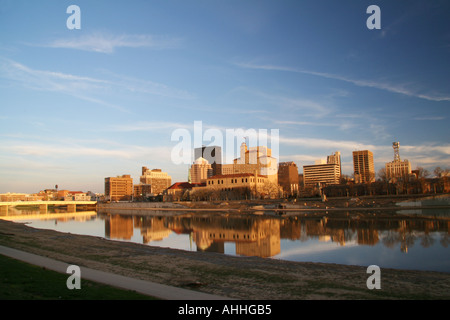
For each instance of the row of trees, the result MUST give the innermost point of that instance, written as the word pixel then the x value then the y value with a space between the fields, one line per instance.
pixel 420 182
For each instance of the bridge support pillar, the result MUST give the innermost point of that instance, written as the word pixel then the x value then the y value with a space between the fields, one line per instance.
pixel 43 208
pixel 71 208
pixel 4 210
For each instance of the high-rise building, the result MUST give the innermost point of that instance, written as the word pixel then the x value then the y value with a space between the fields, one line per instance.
pixel 213 154
pixel 323 174
pixel 253 159
pixel 155 180
pixel 397 168
pixel 119 188
pixel 288 177
pixel 363 166
pixel 200 171
pixel 335 158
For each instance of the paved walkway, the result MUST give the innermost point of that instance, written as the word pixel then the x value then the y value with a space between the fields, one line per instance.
pixel 156 290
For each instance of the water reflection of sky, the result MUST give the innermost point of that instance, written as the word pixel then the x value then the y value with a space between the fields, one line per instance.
pixel 435 257
pixel 404 248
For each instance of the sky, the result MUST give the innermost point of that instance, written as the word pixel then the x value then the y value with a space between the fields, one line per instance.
pixel 79 105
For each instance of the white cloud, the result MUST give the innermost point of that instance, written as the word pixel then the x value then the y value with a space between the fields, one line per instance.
pixel 108 43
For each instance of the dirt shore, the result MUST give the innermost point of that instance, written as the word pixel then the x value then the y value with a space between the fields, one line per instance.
pixel 229 276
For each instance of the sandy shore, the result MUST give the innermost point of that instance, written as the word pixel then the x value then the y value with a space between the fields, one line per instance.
pixel 229 276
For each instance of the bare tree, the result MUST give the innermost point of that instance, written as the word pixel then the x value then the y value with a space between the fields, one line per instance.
pixel 270 189
pixel 382 174
pixel 423 173
pixel 438 172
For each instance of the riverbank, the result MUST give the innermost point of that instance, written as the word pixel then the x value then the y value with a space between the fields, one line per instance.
pixel 371 203
pixel 218 274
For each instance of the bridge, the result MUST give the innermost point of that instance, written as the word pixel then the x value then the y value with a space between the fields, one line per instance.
pixel 43 205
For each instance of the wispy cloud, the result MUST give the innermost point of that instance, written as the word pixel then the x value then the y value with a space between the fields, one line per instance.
pixel 44 80
pixel 73 151
pixel 90 89
pixel 386 86
pixel 339 145
pixel 308 107
pixel 344 125
pixel 108 43
pixel 429 118
pixel 151 126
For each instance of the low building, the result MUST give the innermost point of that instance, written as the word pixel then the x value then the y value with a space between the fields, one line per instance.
pixel 241 185
pixel 77 196
pixel 180 191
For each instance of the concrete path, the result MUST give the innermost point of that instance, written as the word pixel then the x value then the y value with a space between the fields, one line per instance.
pixel 156 290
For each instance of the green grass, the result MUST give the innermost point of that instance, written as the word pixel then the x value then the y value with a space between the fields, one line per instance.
pixel 22 281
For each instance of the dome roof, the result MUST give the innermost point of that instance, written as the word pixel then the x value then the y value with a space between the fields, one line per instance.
pixel 201 161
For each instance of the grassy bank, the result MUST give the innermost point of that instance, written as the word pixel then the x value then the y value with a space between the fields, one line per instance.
pixel 22 281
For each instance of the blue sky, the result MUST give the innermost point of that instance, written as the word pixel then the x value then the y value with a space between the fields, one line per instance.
pixel 77 106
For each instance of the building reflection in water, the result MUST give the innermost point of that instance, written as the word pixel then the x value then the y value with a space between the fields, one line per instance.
pixel 261 235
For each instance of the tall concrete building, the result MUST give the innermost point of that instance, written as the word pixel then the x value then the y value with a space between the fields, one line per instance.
pixel 363 166
pixel 335 158
pixel 213 154
pixel 155 181
pixel 200 171
pixel 119 188
pixel 288 177
pixel 254 159
pixel 397 168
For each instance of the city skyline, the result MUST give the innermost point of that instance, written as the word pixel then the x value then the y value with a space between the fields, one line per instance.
pixel 103 101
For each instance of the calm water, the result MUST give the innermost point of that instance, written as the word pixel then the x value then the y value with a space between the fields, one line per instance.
pixel 394 241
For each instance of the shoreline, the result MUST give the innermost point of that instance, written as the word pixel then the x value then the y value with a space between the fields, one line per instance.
pixel 367 203
pixel 218 274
